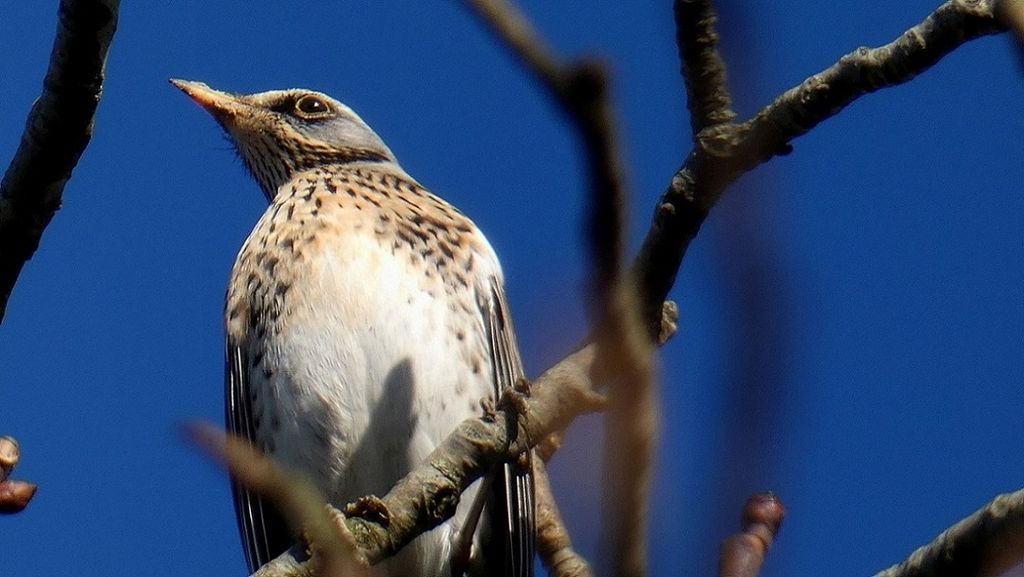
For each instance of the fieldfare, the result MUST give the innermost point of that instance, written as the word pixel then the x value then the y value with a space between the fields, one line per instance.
pixel 366 317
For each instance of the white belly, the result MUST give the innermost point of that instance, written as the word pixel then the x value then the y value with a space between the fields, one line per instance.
pixel 369 371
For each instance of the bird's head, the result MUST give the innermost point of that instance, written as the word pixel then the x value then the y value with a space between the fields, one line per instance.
pixel 282 132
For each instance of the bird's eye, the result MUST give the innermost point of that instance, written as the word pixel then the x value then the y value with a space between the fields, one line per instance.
pixel 312 107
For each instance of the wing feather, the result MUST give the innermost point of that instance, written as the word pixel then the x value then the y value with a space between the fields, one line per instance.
pixel 513 514
pixel 264 534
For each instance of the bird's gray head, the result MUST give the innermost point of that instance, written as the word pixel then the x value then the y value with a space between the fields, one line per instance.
pixel 282 132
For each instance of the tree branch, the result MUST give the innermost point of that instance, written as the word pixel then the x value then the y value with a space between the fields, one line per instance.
pixel 57 131
pixel 624 347
pixel 554 544
pixel 333 551
pixel 14 495
pixel 743 553
pixel 988 542
pixel 724 152
pixel 1011 13
pixel 428 495
pixel 707 95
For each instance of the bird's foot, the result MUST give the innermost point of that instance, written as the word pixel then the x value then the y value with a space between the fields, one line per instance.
pixel 514 397
pixel 371 508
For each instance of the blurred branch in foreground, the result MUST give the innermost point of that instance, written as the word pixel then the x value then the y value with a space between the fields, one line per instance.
pixel 14 495
pixel 989 542
pixel 625 348
pixel 743 553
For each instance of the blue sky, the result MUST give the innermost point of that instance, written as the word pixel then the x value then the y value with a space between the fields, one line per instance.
pixel 852 322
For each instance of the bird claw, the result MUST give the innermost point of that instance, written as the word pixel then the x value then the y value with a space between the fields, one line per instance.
pixel 489 410
pixel 524 386
pixel 514 397
pixel 371 508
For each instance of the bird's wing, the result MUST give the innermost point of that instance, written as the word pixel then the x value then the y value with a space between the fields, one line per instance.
pixel 264 533
pixel 512 511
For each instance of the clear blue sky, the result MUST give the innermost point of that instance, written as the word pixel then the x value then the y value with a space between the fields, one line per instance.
pixel 852 320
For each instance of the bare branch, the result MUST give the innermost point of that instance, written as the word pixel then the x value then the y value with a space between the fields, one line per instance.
pixel 702 66
pixel 553 542
pixel 57 131
pixel 511 25
pixel 333 552
pixel 724 152
pixel 10 454
pixel 743 553
pixel 631 421
pixel 1011 13
pixel 14 495
pixel 624 346
pixel 581 90
pixel 428 495
pixel 866 70
pixel 988 542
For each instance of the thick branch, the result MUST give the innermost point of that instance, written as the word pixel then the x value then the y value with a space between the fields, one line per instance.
pixel 725 152
pixel 57 131
pixel 988 542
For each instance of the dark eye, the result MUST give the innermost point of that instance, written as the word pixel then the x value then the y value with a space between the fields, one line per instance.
pixel 312 107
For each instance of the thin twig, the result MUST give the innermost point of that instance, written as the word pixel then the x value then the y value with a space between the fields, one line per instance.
pixel 1011 13
pixel 554 545
pixel 624 346
pixel 743 554
pixel 726 151
pixel 512 26
pixel 988 542
pixel 14 495
pixel 57 131
pixel 332 551
pixel 702 66
pixel 581 90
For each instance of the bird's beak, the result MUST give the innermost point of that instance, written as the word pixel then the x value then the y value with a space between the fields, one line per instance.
pixel 220 104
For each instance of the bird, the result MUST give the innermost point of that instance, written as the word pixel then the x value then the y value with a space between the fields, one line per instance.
pixel 365 318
